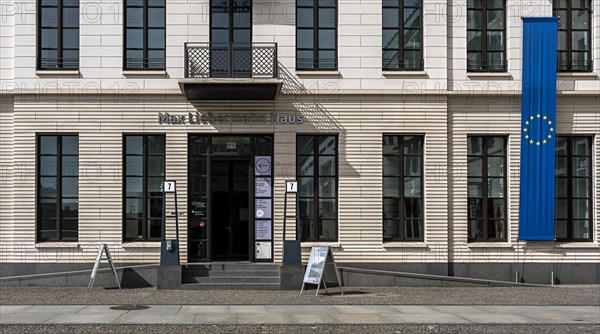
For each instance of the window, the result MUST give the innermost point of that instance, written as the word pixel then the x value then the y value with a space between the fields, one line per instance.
pixel 317 174
pixel 402 35
pixel 486 36
pixel 144 35
pixel 486 188
pixel 402 188
pixel 316 34
pixel 58 34
pixel 57 187
pixel 574 35
pixel 144 173
pixel 573 206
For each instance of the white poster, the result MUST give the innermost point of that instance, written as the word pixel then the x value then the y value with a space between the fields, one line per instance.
pixel 262 165
pixel 263 250
pixel 262 187
pixel 262 208
pixel 262 230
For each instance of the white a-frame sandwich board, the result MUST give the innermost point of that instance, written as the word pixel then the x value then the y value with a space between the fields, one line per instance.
pixel 321 268
pixel 103 248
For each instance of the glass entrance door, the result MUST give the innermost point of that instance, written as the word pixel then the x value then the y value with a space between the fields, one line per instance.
pixel 231 38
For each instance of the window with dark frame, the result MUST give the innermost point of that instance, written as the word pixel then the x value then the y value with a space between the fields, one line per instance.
pixel 57 187
pixel 316 34
pixel 486 188
pixel 573 175
pixel 317 175
pixel 574 35
pixel 143 175
pixel 402 33
pixel 486 36
pixel 403 188
pixel 144 35
pixel 58 34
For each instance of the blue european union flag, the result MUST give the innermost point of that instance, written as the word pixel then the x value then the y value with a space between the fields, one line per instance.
pixel 538 130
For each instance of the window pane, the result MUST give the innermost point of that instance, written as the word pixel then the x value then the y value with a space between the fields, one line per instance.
pixel 560 229
pixel 475 229
pixel 327 166
pixel 155 185
pixel 390 39
pixel 391 228
pixel 326 17
pixel 47 209
pixel 581 187
pixel 156 38
pixel 328 229
pixel 70 145
pixel 305 39
pixel 495 146
pixel 306 165
pixel 68 228
pixel 304 18
pixel 475 187
pixel 304 145
pixel 134 166
pixel 135 38
pixel 474 19
pixel 390 59
pixel 412 39
pixel 48 187
pixel 580 19
pixel 581 229
pixel 305 187
pixel 49 17
pixel 496 188
pixel 154 228
pixel 561 166
pixel 135 17
pixel 561 209
pixel 305 59
pixel 49 38
pixel 69 208
pixel 326 59
pixel 495 19
pixel 71 17
pixel 48 165
pixel 133 187
pixel 391 208
pixel 134 145
pixel 305 208
pixel 391 145
pixel 156 145
pixel 133 229
pixel 134 59
pixel 412 18
pixel 581 166
pixel 156 59
pixel 413 145
pixel 496 229
pixel 47 229
pixel 412 187
pixel 413 229
pixel 154 207
pixel 580 40
pixel 390 187
pixel 156 166
pixel 327 208
pixel 581 146
pixel 474 40
pixel 70 38
pixel 70 186
pixel 474 61
pixel 390 18
pixel 156 17
pixel 474 166
pixel 241 36
pixel 475 209
pixel 413 208
pixel 327 145
pixel 327 187
pixel 495 40
pixel 496 209
pixel 391 166
pixel 581 209
pixel 70 166
pixel 412 166
pixel 495 3
pixel 133 208
pixel 562 40
pixel 326 39
pixel 475 146
pixel 561 187
pixel 495 166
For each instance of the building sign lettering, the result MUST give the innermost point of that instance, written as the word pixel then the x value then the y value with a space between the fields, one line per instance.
pixel 214 119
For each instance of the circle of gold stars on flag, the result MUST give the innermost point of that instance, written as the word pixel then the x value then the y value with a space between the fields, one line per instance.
pixel 546 131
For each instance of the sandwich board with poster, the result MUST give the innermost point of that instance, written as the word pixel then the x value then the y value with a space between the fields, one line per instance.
pixel 321 268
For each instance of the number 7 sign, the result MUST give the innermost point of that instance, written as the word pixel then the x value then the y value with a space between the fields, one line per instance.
pixel 291 186
pixel 169 186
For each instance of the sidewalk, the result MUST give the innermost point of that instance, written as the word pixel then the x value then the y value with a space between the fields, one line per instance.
pixel 300 314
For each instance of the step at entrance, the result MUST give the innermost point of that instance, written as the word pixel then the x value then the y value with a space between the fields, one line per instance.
pixel 230 276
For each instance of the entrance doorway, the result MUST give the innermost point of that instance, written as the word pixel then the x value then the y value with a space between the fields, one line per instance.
pixel 230 209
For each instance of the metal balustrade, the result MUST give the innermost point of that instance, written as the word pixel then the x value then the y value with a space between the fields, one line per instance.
pixel 231 60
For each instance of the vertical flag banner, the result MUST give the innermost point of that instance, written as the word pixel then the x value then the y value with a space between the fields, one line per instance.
pixel 538 128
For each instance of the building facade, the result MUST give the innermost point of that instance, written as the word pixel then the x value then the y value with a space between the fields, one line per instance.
pixel 400 120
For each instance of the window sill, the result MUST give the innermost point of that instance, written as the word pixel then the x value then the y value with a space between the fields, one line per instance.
pixel 578 75
pixel 335 73
pixel 490 244
pixel 57 244
pixel 310 244
pixel 407 74
pixel 144 73
pixel 57 73
pixel 488 75
pixel 577 245
pixel 141 244
pixel 402 244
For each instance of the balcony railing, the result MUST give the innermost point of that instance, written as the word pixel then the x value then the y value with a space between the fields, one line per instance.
pixel 231 60
pixel 575 65
pixel 486 65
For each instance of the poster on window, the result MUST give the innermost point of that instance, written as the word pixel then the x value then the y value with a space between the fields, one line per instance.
pixel 262 187
pixel 262 230
pixel 262 165
pixel 262 208
pixel 263 250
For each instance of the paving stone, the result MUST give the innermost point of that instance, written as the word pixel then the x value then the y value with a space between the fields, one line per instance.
pixel 312 318
pixel 6 309
pixel 263 318
pixel 427 318
pixel 54 309
pixel 365 309
pixel 414 309
pixel 564 317
pixel 204 309
pixel 100 309
pixel 153 318
pixel 215 318
pixel 457 309
pixel 360 318
pixel 26 318
pixel 247 309
pixel 296 309
pixel 84 318
pixel 490 318
pixel 159 309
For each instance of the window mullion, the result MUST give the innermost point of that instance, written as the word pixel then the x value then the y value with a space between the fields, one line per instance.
pixel 484 195
pixel 144 188
pixel 401 35
pixel 316 41
pixel 401 227
pixel 58 184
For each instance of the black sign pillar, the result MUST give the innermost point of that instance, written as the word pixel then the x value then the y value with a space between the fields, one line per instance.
pixel 169 249
pixel 291 248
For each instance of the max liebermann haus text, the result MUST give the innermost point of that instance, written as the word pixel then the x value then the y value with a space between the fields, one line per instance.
pixel 211 118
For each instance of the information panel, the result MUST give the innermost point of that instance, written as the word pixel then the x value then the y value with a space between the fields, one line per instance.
pixel 262 187
pixel 263 208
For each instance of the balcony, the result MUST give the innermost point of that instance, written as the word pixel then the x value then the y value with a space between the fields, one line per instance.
pixel 230 71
